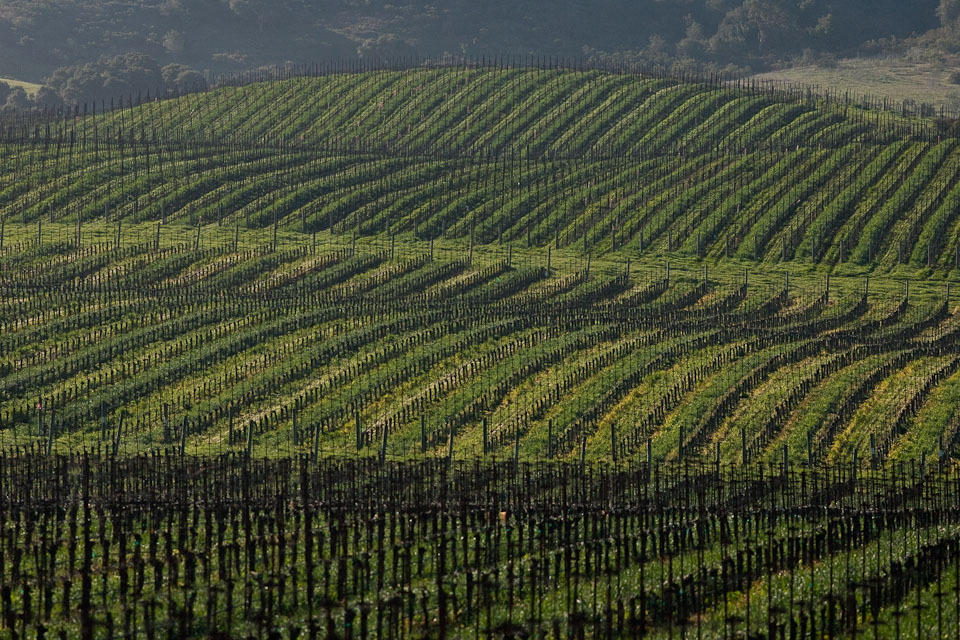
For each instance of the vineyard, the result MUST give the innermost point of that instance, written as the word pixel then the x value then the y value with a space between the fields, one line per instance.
pixel 167 547
pixel 604 161
pixel 479 351
pixel 171 339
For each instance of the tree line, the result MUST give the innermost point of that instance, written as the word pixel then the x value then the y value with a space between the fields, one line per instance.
pixel 39 39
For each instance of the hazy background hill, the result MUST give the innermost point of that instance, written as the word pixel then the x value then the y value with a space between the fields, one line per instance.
pixel 95 50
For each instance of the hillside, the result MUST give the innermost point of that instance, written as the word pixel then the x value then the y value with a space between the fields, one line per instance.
pixel 39 36
pixel 480 352
pixel 895 79
pixel 463 216
pixel 600 160
pixel 150 336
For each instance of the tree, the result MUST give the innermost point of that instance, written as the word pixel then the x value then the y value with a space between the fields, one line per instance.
pixel 173 7
pixel 693 45
pixel 949 13
pixel 174 41
pixel 181 77
pixel 386 46
pixel 17 99
pixel 258 9
pixel 824 25
pixel 753 25
pixel 47 97
pixel 107 78
pixel 657 45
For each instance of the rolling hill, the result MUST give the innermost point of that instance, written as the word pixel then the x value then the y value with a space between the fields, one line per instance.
pixel 134 218
pixel 525 352
pixel 607 161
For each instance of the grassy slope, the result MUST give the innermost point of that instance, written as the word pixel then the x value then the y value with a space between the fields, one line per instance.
pixel 891 78
pixel 30 87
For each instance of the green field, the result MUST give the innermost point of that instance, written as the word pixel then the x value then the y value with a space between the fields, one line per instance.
pixel 479 352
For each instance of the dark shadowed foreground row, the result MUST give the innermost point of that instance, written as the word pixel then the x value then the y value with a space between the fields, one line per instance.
pixel 165 546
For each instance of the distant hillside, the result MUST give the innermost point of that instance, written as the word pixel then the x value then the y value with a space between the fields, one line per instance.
pixel 38 37
pixel 497 110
